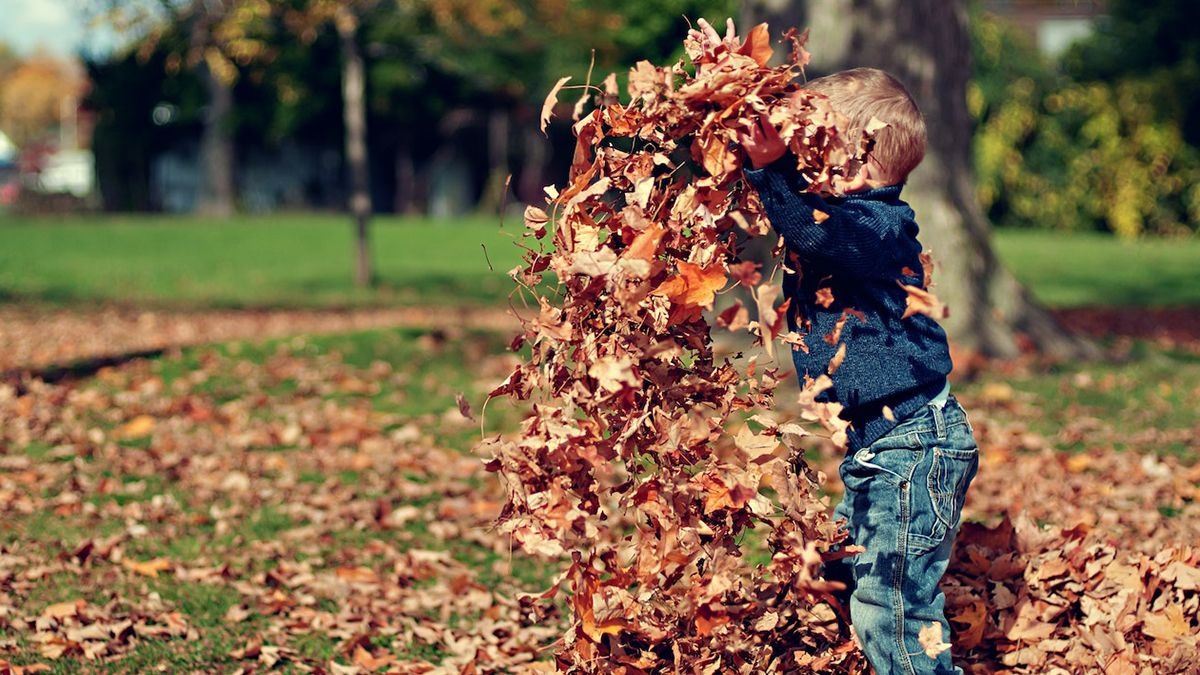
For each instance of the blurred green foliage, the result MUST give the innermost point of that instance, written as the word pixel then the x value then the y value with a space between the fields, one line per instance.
pixel 1099 142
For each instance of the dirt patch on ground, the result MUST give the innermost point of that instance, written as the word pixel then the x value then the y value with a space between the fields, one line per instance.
pixel 1172 327
pixel 33 338
pixel 38 338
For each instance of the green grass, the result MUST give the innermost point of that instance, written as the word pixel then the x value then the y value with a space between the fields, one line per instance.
pixel 1153 389
pixel 307 261
pixel 423 372
pixel 277 261
pixel 1074 270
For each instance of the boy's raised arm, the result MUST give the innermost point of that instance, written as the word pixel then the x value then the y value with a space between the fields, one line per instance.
pixel 844 236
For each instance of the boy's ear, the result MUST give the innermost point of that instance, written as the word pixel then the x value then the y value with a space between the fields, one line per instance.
pixel 856 183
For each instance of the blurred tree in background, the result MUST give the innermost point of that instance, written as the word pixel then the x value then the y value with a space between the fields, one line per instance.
pixel 34 94
pixel 214 40
pixel 443 79
pixel 1105 141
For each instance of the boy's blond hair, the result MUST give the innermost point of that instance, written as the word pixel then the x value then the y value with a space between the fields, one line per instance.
pixel 865 93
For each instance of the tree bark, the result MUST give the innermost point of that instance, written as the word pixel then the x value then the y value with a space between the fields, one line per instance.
pixel 218 156
pixel 924 43
pixel 498 170
pixel 531 184
pixel 354 115
pixel 406 180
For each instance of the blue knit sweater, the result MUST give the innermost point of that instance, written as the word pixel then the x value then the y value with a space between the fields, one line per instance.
pixel 859 253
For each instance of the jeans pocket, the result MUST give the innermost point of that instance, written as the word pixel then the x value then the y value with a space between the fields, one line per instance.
pixel 950 473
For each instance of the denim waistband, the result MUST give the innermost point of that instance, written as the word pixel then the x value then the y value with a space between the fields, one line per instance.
pixel 934 419
pixel 867 426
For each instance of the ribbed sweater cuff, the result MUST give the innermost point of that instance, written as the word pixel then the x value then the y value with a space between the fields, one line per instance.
pixel 769 177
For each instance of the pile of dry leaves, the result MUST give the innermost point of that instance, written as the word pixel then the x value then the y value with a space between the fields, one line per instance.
pixel 1111 583
pixel 650 467
pixel 630 463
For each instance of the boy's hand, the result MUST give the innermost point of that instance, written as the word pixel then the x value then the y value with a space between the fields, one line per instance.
pixel 711 43
pixel 761 142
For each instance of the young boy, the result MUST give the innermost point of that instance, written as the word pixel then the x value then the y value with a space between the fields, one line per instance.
pixel 911 453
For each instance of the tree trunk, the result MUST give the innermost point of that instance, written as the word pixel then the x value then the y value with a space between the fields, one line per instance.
pixel 924 43
pixel 406 180
pixel 533 174
pixel 217 152
pixel 494 191
pixel 354 114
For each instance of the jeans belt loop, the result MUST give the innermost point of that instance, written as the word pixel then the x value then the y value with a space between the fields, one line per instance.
pixel 939 421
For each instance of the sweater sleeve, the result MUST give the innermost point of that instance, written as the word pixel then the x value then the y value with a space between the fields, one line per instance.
pixel 852 236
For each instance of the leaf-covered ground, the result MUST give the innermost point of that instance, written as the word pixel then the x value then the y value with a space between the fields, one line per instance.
pixel 313 504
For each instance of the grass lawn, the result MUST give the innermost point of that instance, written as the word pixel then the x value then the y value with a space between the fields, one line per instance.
pixel 1075 270
pixel 307 261
pixel 270 261
pixel 314 495
pixel 320 494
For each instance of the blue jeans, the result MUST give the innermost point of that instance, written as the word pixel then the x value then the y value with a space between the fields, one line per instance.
pixel 903 500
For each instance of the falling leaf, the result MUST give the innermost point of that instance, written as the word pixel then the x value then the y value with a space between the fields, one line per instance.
pixel 836 361
pixel 825 297
pixel 758 45
pixel 550 102
pixel 695 286
pixel 921 301
pixel 645 244
pixel 734 318
pixel 930 639
pixel 613 373
pixel 464 406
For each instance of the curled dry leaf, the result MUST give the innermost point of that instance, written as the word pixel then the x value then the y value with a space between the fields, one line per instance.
pixel 550 102
pixel 930 638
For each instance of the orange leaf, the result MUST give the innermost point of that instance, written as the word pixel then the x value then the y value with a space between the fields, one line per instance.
pixel 974 618
pixel 758 45
pixel 357 575
pixel 137 427
pixel 716 157
pixel 825 297
pixel 707 620
pixel 1167 626
pixel 921 301
pixel 149 568
pixel 364 659
pixel 695 286
pixel 62 610
pixel 645 244
pixel 718 495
